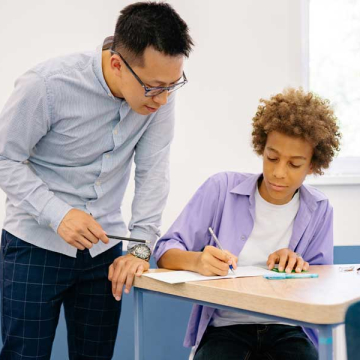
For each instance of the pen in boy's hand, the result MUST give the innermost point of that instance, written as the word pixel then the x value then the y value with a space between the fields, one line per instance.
pixel 219 245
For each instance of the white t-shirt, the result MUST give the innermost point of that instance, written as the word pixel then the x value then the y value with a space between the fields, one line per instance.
pixel 272 231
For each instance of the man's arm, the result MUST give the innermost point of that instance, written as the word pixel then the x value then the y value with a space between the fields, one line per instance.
pixel 151 191
pixel 152 174
pixel 25 119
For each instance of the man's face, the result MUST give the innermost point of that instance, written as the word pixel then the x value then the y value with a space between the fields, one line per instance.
pixel 158 70
pixel 286 162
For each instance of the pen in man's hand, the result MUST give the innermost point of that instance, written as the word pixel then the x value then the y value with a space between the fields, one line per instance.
pixel 219 245
pixel 128 239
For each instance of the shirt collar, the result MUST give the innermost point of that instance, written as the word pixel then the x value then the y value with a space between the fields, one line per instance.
pixel 248 186
pixel 97 65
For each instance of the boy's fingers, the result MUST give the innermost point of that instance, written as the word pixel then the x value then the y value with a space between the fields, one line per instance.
pixel 282 261
pixel 291 263
pixel 220 254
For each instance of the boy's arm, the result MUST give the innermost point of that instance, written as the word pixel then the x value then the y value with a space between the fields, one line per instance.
pixel 321 247
pixel 211 261
pixel 184 246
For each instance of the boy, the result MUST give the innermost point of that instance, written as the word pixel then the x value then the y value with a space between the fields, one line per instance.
pixel 271 218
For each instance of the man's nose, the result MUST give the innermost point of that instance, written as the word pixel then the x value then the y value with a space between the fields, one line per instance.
pixel 162 98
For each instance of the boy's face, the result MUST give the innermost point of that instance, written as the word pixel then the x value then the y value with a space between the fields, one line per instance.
pixel 286 162
pixel 158 70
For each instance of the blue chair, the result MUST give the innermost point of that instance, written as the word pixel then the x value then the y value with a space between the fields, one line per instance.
pixel 352 331
pixel 347 254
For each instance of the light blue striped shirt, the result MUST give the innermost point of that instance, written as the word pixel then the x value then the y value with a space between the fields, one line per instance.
pixel 67 142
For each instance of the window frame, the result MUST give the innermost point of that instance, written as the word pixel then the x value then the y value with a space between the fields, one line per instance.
pixel 348 169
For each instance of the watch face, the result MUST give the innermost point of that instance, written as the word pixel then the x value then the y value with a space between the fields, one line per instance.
pixel 142 251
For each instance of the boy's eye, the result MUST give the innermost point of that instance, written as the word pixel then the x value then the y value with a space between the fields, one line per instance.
pixel 271 159
pixel 295 166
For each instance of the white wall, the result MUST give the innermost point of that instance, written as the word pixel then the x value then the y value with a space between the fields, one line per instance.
pixel 244 50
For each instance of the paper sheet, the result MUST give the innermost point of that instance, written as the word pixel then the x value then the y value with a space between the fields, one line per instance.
pixel 175 277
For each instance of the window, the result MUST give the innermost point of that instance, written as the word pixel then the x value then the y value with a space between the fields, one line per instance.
pixel 332 70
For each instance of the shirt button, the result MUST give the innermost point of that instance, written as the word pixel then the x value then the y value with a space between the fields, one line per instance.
pixel 243 237
pixel 110 94
pixel 107 156
pixel 115 132
pixel 98 183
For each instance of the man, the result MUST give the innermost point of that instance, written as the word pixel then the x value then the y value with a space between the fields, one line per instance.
pixel 68 135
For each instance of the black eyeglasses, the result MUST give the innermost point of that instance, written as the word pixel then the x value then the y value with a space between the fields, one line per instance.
pixel 153 91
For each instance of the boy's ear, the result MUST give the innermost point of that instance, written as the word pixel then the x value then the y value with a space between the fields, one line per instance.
pixel 311 169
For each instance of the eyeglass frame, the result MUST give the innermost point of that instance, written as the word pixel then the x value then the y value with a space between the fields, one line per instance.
pixel 148 89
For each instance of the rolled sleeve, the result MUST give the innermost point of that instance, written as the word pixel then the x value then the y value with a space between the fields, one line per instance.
pixel 190 229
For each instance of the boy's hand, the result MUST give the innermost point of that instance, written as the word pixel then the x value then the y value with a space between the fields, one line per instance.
pixel 122 272
pixel 213 261
pixel 288 260
pixel 81 230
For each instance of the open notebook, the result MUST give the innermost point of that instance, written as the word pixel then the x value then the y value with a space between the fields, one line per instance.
pixel 175 277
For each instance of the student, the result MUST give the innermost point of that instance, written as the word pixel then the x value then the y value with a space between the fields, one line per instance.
pixel 269 218
pixel 68 136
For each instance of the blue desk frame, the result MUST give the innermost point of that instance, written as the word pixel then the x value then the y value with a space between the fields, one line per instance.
pixel 325 331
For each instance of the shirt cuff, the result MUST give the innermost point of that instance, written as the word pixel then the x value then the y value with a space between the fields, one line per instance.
pixel 53 213
pixel 138 234
pixel 164 246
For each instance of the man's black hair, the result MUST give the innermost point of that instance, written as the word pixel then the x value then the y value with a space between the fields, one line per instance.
pixel 152 24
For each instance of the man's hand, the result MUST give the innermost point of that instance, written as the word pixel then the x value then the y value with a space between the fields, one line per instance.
pixel 122 272
pixel 288 260
pixel 213 261
pixel 80 230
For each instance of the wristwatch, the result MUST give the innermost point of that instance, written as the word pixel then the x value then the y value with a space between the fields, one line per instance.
pixel 140 251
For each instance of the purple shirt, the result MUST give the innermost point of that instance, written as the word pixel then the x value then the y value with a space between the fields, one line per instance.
pixel 226 202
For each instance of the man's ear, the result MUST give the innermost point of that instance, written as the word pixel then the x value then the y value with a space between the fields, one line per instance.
pixel 116 63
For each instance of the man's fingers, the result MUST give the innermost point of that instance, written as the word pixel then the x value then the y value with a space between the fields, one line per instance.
pixel 115 279
pixel 84 242
pixel 111 272
pixel 78 245
pixel 129 279
pixel 98 232
pixel 140 270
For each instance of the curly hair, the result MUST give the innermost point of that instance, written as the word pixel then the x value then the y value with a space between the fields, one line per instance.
pixel 299 114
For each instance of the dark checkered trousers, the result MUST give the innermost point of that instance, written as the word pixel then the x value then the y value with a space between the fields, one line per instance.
pixel 35 283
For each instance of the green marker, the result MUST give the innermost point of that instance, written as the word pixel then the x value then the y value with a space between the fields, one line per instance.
pixel 283 276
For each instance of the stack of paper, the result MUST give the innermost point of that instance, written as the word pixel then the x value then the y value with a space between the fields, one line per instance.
pixel 175 277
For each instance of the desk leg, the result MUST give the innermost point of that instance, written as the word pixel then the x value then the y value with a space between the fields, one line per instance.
pixel 325 343
pixel 139 324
